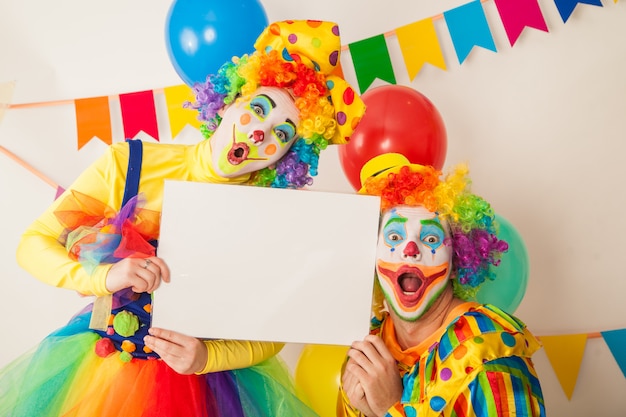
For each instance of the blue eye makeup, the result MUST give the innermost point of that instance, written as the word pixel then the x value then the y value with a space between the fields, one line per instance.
pixel 432 234
pixel 394 231
pixel 285 132
pixel 261 106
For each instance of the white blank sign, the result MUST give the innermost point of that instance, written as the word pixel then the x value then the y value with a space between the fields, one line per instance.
pixel 254 263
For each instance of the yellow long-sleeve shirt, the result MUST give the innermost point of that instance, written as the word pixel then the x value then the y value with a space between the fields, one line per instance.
pixel 42 254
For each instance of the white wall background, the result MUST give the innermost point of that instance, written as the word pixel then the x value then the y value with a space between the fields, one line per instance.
pixel 542 125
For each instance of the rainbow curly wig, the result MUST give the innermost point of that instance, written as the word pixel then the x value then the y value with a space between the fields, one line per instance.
pixel 288 56
pixel 470 218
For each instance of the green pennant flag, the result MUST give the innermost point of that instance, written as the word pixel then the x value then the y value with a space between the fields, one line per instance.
pixel 371 60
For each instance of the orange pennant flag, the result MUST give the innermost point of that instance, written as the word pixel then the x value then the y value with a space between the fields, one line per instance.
pixel 565 354
pixel 139 113
pixel 93 118
pixel 180 116
pixel 419 45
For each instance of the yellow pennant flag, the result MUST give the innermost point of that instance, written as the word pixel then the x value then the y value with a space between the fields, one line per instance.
pixel 178 115
pixel 419 45
pixel 6 95
pixel 565 354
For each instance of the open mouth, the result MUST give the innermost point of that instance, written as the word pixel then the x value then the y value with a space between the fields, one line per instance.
pixel 410 282
pixel 239 152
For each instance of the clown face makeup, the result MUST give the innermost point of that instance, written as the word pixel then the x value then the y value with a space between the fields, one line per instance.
pixel 254 133
pixel 412 262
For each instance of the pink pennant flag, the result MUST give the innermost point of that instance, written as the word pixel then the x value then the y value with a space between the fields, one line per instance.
pixel 518 14
pixel 139 113
pixel 60 190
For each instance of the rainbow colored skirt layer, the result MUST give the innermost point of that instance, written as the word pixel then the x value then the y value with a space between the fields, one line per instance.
pixel 63 376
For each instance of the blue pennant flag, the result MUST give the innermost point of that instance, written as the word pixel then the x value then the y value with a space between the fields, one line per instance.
pixel 616 340
pixel 566 7
pixel 468 27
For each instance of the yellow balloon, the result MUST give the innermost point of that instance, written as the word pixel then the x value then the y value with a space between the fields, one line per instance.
pixel 318 375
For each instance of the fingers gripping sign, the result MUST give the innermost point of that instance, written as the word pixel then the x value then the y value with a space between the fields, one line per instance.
pixel 184 354
pixel 371 378
pixel 139 274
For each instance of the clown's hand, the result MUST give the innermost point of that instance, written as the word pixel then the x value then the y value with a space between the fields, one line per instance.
pixel 371 373
pixel 353 389
pixel 184 354
pixel 139 274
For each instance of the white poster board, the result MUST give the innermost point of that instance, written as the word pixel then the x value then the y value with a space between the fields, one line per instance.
pixel 254 263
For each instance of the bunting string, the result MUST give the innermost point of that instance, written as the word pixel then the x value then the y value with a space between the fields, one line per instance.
pixel 565 352
pixel 467 26
pixel 418 41
pixel 28 167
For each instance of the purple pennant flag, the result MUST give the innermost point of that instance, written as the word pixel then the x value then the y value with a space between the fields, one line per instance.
pixel 468 27
pixel 566 7
pixel 616 340
pixel 517 14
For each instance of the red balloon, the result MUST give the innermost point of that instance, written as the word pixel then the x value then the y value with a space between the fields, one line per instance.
pixel 397 119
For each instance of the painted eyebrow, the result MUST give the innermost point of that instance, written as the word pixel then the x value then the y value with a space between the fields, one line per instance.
pixel 396 220
pixel 290 122
pixel 272 102
pixel 432 223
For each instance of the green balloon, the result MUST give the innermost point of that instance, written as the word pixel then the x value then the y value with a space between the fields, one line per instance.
pixel 511 276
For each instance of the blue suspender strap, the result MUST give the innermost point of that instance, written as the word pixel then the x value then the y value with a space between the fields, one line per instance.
pixel 134 169
pixel 103 305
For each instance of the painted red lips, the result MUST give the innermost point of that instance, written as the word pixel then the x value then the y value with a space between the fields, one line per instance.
pixel 238 153
pixel 409 283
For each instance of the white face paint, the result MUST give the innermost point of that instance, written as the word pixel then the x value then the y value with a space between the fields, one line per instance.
pixel 254 133
pixel 412 262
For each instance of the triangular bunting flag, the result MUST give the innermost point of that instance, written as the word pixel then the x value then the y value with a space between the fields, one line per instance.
pixel 60 190
pixel 371 60
pixel 93 118
pixel 616 340
pixel 565 354
pixel 517 14
pixel 6 95
pixel 566 7
pixel 419 45
pixel 138 113
pixel 468 27
pixel 179 116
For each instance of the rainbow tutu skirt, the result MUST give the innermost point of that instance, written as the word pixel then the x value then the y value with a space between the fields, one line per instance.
pixel 65 376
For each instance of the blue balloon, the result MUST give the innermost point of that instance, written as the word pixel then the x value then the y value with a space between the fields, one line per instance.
pixel 511 276
pixel 201 35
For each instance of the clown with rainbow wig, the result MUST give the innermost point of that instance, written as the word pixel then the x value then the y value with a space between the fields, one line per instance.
pixel 267 115
pixel 432 350
pixel 300 60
